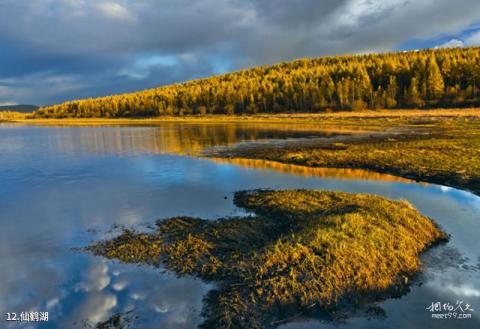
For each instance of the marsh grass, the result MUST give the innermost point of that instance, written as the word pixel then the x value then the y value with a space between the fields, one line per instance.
pixel 344 117
pixel 438 150
pixel 304 252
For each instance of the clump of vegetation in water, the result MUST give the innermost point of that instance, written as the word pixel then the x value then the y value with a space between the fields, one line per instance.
pixel 307 252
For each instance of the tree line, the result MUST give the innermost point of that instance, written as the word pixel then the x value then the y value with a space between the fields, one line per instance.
pixel 414 79
pixel 11 115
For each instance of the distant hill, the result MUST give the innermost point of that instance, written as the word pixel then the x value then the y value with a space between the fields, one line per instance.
pixel 415 79
pixel 19 108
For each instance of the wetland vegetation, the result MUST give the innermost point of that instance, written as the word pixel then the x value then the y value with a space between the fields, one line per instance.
pixel 258 263
pixel 306 252
pixel 443 150
pixel 315 254
pixel 301 253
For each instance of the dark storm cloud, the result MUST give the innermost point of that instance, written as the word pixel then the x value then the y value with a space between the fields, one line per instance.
pixel 53 50
pixel 300 13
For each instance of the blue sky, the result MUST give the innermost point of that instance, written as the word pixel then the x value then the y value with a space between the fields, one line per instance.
pixel 56 50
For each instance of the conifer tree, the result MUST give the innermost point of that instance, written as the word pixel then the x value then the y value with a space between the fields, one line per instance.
pixel 405 79
pixel 435 84
pixel 413 96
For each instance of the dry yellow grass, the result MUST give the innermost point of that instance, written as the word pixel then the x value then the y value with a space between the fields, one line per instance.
pixel 442 150
pixel 302 250
pixel 261 118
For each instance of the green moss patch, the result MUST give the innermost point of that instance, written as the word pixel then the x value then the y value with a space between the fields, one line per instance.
pixel 302 252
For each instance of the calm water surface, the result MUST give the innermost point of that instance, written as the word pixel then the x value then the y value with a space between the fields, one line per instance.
pixel 62 188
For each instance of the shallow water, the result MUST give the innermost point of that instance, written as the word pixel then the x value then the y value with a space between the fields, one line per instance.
pixel 62 188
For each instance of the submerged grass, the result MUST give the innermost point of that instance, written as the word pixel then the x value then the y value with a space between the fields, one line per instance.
pixel 309 252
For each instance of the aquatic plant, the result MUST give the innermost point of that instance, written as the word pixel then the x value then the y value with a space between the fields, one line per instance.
pixel 303 252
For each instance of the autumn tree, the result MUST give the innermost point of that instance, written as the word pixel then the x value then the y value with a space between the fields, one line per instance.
pixel 434 78
pixel 435 84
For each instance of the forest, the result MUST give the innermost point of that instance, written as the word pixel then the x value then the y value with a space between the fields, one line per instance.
pixel 431 78
pixel 11 115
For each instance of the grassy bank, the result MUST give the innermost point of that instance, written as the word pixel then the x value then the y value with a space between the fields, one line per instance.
pixel 443 150
pixel 303 252
pixel 318 118
pixel 439 146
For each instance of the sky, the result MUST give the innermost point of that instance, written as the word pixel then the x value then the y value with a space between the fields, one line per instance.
pixel 56 50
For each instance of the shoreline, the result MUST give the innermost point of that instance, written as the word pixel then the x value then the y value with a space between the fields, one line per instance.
pixel 289 256
pixel 455 128
pixel 398 174
pixel 368 172
pixel 439 151
pixel 286 118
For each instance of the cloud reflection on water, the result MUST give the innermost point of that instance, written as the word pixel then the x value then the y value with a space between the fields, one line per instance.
pixel 64 181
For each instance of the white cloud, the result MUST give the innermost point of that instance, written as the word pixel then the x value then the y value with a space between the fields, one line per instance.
pixel 96 307
pixel 96 278
pixel 161 309
pixel 7 103
pixel 453 43
pixel 103 43
pixel 355 11
pixel 115 11
pixel 142 66
pixel 119 285
pixel 464 290
pixel 52 303
pixel 445 188
pixel 138 296
pixel 473 39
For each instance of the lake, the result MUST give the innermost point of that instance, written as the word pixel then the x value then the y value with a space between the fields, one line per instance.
pixel 65 187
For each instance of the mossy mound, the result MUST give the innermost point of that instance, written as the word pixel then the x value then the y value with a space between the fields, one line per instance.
pixel 302 250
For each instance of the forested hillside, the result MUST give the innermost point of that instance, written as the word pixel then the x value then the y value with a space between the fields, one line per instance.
pixel 415 79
